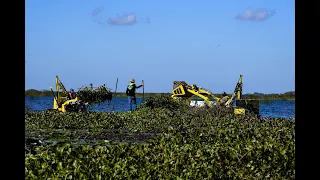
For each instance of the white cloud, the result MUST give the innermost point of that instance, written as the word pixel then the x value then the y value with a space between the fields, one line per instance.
pixel 123 20
pixel 255 15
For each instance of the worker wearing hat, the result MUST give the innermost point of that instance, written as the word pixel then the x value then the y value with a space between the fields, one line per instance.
pixel 131 93
pixel 71 94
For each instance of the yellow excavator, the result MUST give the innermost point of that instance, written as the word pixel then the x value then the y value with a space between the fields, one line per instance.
pixel 60 101
pixel 182 90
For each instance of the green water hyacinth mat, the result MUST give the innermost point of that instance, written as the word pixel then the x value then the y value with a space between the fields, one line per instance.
pixel 93 95
pixel 158 143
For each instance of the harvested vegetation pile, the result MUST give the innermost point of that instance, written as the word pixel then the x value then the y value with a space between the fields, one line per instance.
pixel 187 143
pixel 162 101
pixel 93 95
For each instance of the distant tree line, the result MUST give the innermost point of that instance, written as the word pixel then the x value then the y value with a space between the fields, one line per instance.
pixel 283 96
pixel 34 93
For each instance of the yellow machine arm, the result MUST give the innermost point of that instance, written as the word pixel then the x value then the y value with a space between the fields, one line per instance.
pixel 60 102
pixel 184 90
pixel 237 92
pixel 59 85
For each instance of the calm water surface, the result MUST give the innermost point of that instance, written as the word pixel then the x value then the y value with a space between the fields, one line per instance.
pixel 274 108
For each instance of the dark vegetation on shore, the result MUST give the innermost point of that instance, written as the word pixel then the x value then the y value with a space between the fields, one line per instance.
pixel 284 96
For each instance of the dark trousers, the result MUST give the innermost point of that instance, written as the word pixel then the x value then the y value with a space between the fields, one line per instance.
pixel 132 102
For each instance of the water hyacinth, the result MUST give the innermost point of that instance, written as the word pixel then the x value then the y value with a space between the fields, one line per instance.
pixel 92 95
pixel 175 142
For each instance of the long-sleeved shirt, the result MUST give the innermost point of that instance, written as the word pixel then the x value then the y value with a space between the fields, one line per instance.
pixel 131 89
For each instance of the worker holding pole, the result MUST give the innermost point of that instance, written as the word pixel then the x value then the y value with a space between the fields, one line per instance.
pixel 131 93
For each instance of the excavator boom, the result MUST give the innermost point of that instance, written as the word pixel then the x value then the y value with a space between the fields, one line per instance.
pixel 59 85
pixel 183 90
pixel 60 102
pixel 236 93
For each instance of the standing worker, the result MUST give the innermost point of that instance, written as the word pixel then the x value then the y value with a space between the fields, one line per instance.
pixel 131 93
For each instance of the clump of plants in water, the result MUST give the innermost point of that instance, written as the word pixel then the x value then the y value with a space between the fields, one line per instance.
pixel 92 95
pixel 162 101
pixel 187 143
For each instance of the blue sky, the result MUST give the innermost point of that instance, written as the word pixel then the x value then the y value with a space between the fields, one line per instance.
pixel 208 43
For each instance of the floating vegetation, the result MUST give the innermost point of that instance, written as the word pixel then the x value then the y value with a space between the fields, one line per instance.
pixel 162 101
pixel 158 142
pixel 92 95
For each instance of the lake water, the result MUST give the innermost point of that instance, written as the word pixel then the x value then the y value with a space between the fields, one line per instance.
pixel 274 108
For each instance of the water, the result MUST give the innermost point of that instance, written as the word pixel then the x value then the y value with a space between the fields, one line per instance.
pixel 118 104
pixel 278 108
pixel 274 108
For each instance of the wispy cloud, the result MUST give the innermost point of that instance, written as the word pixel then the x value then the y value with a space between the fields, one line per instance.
pixel 97 11
pixel 99 16
pixel 255 15
pixel 123 20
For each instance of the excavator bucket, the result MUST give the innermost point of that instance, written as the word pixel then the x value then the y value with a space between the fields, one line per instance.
pixel 243 106
pixel 178 83
pixel 252 105
pixel 180 89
